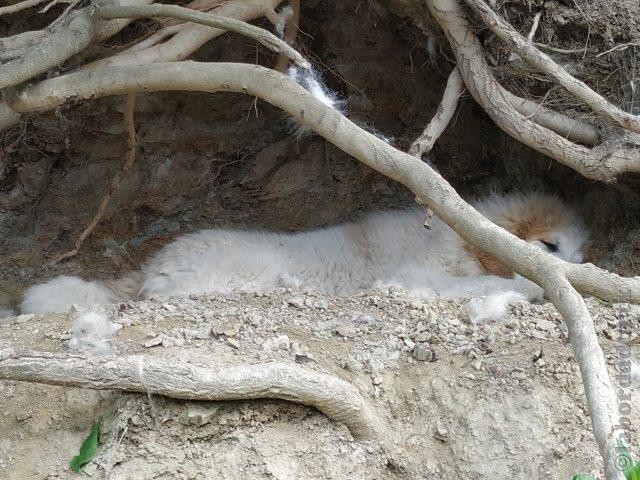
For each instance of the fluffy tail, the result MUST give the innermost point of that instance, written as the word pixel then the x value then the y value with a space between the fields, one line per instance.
pixel 59 294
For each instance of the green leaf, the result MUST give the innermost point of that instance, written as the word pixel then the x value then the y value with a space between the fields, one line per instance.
pixel 633 473
pixel 583 476
pixel 87 450
pixel 625 459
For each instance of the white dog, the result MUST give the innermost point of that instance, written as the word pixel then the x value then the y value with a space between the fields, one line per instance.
pixel 382 249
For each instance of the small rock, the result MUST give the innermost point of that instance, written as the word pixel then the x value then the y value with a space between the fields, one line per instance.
pixel 424 353
pixel 441 433
pixel 560 451
pixel 540 362
pixel 22 416
pixel 282 342
pixel 544 325
pixel 23 318
pixel 377 380
pixel 232 342
pixel 154 342
pixel 198 416
pixel 297 302
pixel 347 331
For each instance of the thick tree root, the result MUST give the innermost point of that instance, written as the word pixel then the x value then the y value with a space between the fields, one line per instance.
pixel 336 398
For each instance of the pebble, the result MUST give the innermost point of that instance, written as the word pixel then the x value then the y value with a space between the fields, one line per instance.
pixel 544 325
pixel 347 331
pixel 154 342
pixel 282 342
pixel 422 352
pixel 297 302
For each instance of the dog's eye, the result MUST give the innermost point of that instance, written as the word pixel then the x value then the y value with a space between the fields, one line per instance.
pixel 552 247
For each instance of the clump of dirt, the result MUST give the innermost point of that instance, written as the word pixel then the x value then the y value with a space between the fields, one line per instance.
pixel 498 400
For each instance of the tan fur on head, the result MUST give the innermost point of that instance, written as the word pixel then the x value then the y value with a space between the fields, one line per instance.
pixel 535 218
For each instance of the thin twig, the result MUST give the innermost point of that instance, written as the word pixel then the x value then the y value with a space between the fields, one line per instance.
pixel 534 27
pixel 130 130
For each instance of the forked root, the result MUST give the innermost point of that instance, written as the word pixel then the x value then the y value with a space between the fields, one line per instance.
pixel 336 398
pixel 605 162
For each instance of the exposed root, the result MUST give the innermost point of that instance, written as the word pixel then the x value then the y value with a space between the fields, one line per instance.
pixel 130 130
pixel 190 37
pixel 569 128
pixel 606 162
pixel 72 37
pixel 210 20
pixel 290 34
pixel 545 64
pixel 336 398
pixel 446 109
pixel 16 7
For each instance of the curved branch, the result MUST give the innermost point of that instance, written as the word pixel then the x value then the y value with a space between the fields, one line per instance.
pixel 446 109
pixel 570 128
pixel 261 35
pixel 54 51
pixel 545 64
pixel 548 271
pixel 16 7
pixel 605 162
pixel 336 398
pixel 190 37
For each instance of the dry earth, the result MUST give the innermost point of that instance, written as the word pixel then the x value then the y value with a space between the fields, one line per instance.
pixel 493 401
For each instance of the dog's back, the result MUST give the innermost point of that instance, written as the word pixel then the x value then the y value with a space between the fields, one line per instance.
pixel 382 248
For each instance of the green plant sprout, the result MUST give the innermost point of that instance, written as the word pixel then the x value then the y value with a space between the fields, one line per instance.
pixel 87 450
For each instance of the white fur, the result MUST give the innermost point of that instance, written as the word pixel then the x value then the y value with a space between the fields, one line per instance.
pixel 492 307
pixel 311 81
pixel 91 331
pixel 59 294
pixel 382 249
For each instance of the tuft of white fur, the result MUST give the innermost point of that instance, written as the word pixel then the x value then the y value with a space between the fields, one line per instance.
pixel 59 294
pixel 311 80
pixel 91 332
pixel 491 308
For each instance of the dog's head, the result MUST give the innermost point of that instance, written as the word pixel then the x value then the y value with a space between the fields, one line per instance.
pixel 540 219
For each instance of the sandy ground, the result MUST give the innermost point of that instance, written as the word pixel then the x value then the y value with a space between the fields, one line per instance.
pixel 492 401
